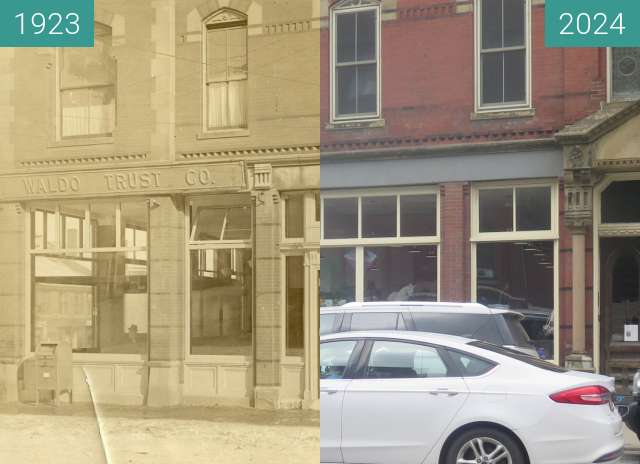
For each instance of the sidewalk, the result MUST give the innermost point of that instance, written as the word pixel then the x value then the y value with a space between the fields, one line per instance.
pixel 66 434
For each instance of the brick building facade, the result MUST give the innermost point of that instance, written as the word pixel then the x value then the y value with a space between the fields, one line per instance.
pixel 158 204
pixel 439 102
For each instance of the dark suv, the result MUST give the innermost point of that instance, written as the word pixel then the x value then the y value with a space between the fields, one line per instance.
pixel 470 320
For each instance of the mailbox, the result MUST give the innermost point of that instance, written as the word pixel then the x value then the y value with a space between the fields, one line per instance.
pixel 54 370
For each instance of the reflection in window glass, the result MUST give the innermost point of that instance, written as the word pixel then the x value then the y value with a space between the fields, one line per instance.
pixel 294 216
pixel 340 218
pixel 478 326
pixel 397 360
pixel 407 273
pixel 334 357
pixel 533 208
pixel 418 215
pixel 98 304
pixel 520 276
pixel 379 216
pixel 295 305
pixel 337 276
pixel 221 301
pixel 496 210
pixel 374 321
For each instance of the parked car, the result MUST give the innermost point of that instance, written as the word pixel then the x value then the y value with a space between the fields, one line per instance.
pixel 400 397
pixel 632 413
pixel 471 320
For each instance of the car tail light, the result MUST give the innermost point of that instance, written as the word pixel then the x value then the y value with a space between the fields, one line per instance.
pixel 595 394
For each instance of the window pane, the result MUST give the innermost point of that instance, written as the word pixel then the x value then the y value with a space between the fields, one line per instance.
pixel 340 218
pixel 238 224
pixel 496 210
pixel 379 216
pixel 491 24
pixel 294 216
pixel 407 273
pixel 346 37
pixel 334 357
pixel 520 276
pixel 86 67
pixel 625 73
pixel 72 222
pixel 97 304
pixel 295 305
pixel 367 88
pixel 616 207
pixel 217 55
pixel 101 113
pixel 227 103
pixel 74 106
pixel 134 227
pixel 514 22
pixel 418 215
pixel 477 326
pixel 366 40
pixel 346 90
pixel 221 302
pixel 396 360
pixel 237 53
pixel 103 224
pixel 533 208
pixel 38 229
pixel 374 321
pixel 492 77
pixel 514 76
pixel 337 276
pixel 52 231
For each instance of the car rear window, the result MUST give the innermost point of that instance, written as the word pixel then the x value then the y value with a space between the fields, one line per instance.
pixel 520 337
pixel 326 323
pixel 518 355
pixel 470 365
pixel 478 326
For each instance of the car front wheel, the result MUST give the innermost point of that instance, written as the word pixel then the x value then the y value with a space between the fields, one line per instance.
pixel 484 446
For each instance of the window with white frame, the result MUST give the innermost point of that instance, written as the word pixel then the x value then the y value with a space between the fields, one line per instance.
pixel 226 70
pixel 88 278
pixel 514 241
pixel 355 59
pixel 624 73
pixel 503 53
pixel 88 88
pixel 379 247
pixel 221 275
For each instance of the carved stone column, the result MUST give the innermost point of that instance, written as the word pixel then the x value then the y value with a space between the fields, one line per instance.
pixel 579 182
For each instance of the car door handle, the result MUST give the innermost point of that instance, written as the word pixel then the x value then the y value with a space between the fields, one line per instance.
pixel 444 391
pixel 330 392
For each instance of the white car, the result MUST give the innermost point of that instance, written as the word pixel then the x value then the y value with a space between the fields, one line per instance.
pixel 398 397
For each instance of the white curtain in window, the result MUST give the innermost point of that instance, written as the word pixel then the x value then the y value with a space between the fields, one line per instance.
pixel 227 104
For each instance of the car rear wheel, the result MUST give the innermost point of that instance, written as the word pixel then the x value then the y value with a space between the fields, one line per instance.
pixel 484 446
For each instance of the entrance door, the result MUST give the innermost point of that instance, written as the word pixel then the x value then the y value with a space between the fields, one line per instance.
pixel 620 304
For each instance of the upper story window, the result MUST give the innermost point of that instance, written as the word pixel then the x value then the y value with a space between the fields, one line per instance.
pixel 226 71
pixel 625 74
pixel 356 59
pixel 88 88
pixel 503 55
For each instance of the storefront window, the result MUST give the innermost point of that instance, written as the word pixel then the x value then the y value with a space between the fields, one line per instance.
pixel 337 276
pixel 93 299
pixel 400 273
pixel 520 276
pixel 340 218
pixel 379 216
pixel 616 207
pixel 418 215
pixel 295 305
pixel 294 216
pixel 518 209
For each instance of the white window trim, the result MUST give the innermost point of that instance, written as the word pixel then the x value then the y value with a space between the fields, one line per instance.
pixel 360 243
pixel 205 130
pixel 496 108
pixel 501 237
pixel 332 94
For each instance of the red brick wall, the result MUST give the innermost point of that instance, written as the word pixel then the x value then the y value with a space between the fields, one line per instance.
pixel 455 263
pixel 428 81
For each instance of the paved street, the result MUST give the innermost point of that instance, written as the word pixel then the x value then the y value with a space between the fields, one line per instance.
pixel 631 458
pixel 72 435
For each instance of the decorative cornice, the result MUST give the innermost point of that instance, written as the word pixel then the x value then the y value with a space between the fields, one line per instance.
pixel 617 164
pixel 429 12
pixel 287 28
pixel 84 160
pixel 250 152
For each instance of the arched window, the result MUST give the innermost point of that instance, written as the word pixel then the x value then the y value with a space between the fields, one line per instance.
pixel 355 59
pixel 87 88
pixel 225 52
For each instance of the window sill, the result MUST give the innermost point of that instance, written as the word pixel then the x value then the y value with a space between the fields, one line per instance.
pixel 356 124
pixel 82 141
pixel 482 115
pixel 222 134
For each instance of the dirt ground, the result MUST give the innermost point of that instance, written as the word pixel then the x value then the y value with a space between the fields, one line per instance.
pixel 65 434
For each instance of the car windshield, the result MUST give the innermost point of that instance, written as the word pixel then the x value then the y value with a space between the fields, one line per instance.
pixel 518 355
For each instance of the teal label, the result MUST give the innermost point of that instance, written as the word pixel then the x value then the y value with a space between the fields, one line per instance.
pixel 46 23
pixel 592 23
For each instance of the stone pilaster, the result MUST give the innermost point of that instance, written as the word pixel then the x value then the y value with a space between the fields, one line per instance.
pixel 166 301
pixel 311 395
pixel 268 317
